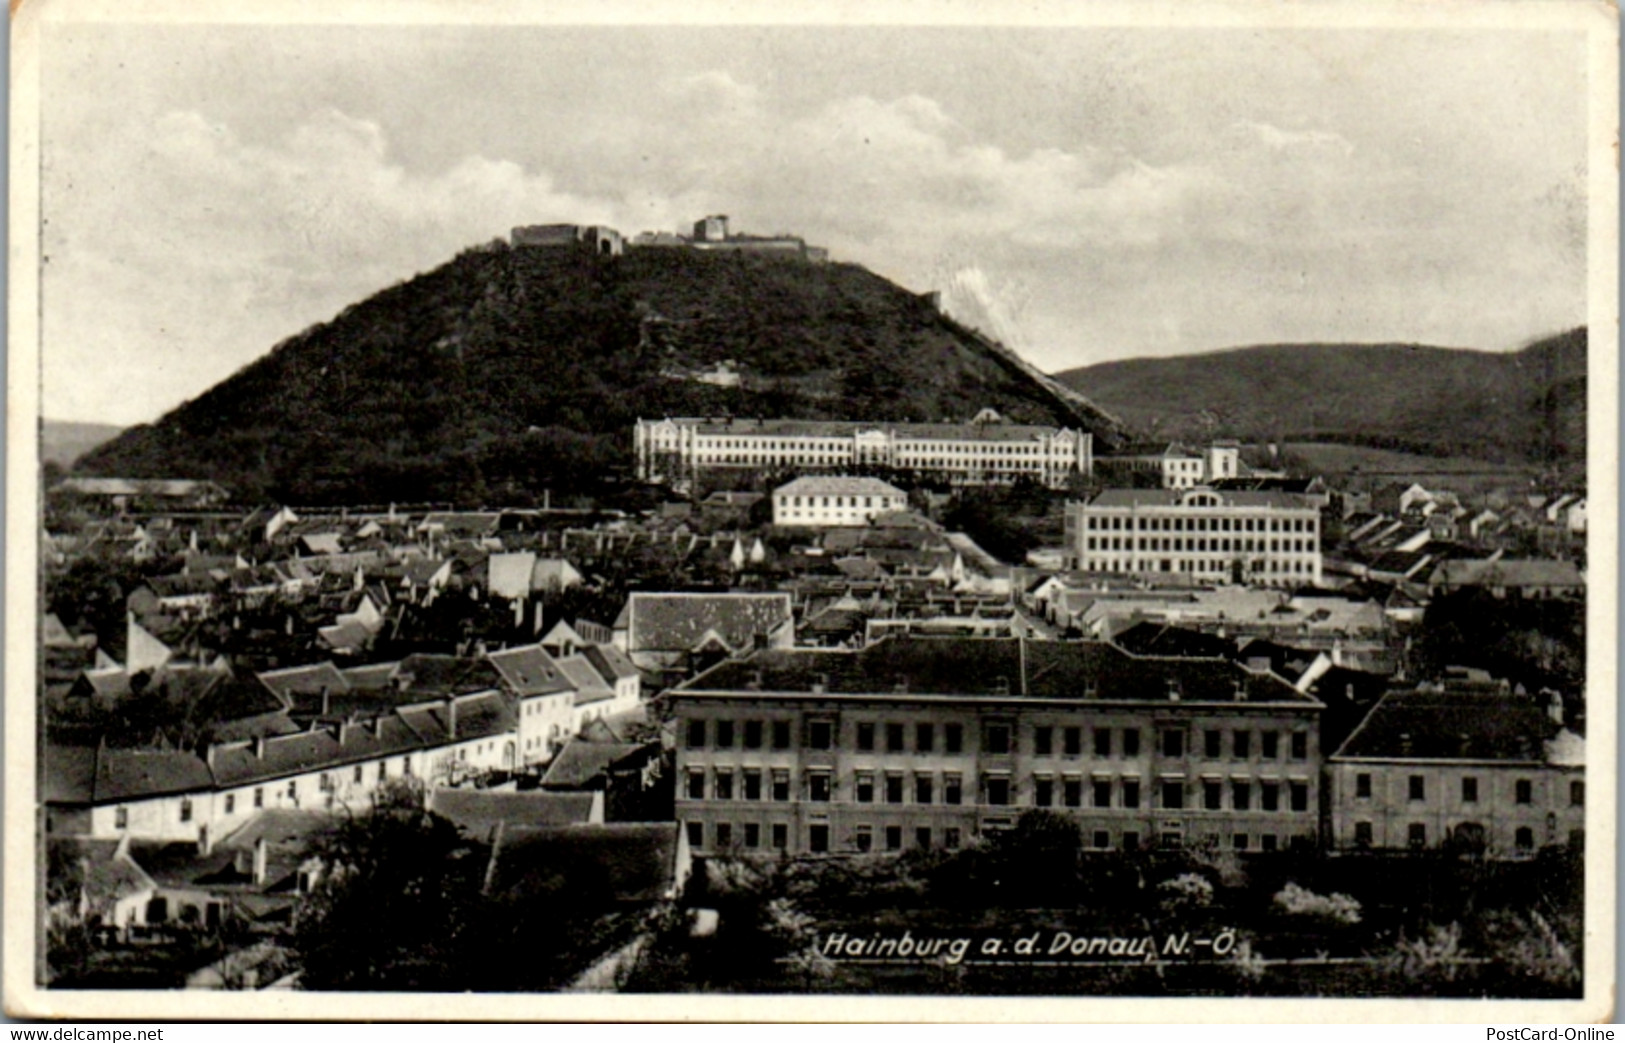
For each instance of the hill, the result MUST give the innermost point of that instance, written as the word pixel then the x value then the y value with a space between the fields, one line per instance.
pixel 1527 406
pixel 61 442
pixel 511 370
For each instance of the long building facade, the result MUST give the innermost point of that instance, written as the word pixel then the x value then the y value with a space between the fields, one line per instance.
pixel 682 448
pixel 1205 535
pixel 927 742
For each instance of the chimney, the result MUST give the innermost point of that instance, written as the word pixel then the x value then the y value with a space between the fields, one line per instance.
pixel 819 683
pixel 1554 707
pixel 259 861
pixel 451 718
pixel 327 701
pixel 1173 689
pixel 1464 744
pixel 1238 691
pixel 259 747
pixel 1404 744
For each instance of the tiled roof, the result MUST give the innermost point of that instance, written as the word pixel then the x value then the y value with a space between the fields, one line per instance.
pixel 679 622
pixel 610 662
pixel 529 670
pixel 589 685
pixel 108 873
pixel 1120 498
pixel 447 675
pixel 311 750
pixel 123 774
pixel 1161 639
pixel 1000 432
pixel 477 812
pixel 1467 722
pixel 579 763
pixel 631 862
pixel 312 677
pixel 838 485
pixel 1508 572
pixel 990 667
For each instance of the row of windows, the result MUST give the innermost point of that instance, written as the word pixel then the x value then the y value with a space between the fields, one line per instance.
pixel 1200 544
pixel 1416 836
pixel 1118 523
pixel 998 790
pixel 325 782
pixel 865 837
pixel 840 501
pixel 997 738
pixel 1189 565
pixel 1523 790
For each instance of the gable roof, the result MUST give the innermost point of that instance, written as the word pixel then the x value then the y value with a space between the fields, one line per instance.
pixel 629 862
pixel 478 812
pixel 1458 722
pixel 679 622
pixel 580 764
pixel 589 685
pixel 529 670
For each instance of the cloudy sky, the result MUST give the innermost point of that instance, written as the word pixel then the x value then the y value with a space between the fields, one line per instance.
pixel 1086 194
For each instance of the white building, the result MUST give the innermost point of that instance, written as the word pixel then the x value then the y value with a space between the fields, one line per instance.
pixel 1265 538
pixel 978 453
pixel 1179 467
pixel 834 500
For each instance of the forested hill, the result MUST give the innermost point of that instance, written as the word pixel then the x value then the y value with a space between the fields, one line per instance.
pixel 511 370
pixel 1527 406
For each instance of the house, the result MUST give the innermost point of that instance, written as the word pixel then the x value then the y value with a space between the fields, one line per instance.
pixel 1468 765
pixel 480 813
pixel 835 500
pixel 545 698
pixel 551 575
pixel 675 631
pixel 1510 577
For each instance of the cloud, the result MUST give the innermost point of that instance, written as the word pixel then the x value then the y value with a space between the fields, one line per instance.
pixel 1278 140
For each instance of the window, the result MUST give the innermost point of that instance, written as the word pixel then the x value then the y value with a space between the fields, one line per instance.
pixel 1212 796
pixel 818 787
pixel 1418 788
pixel 1241 742
pixel 753 736
pixel 925 738
pixel 818 838
pixel 863 837
pixel 753 784
pixel 1212 740
pixel 1469 790
pixel 231 803
pixel 1524 839
pixel 1241 794
pixel 1101 840
pixel 894 738
pixel 1417 835
pixel 781 836
pixel 1173 743
pixel 696 834
pixel 1523 792
pixel 1044 792
pixel 1239 841
pixel 894 788
pixel 866 736
pixel 1268 841
pixel 1043 741
pixel 357 776
pixel 865 787
pixel 121 818
pixel 781 784
pixel 1103 742
pixel 753 834
pixel 1173 794
pixel 1362 834
pixel 725 735
pixel 1072 741
pixel 1577 794
pixel 781 735
pixel 293 787
pixel 696 784
pixel 997 739
pixel 1300 746
pixel 952 789
pixel 725 834
pixel 953 737
pixel 820 735
pixel 1269 796
pixel 950 838
pixel 998 790
pixel 922 837
pixel 1131 793
pixel 186 810
pixel 1131 840
pixel 894 838
pixel 1300 795
pixel 1072 792
pixel 922 789
pixel 696 734
pixel 1362 785
pixel 724 785
pixel 259 794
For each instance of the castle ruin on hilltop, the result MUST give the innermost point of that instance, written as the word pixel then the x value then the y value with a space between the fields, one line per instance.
pixel 709 233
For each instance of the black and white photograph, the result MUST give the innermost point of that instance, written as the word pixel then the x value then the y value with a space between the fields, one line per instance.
pixel 527 511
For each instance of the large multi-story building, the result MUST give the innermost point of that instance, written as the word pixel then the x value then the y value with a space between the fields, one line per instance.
pixel 926 742
pixel 1205 535
pixel 977 453
pixel 1472 766
pixel 828 500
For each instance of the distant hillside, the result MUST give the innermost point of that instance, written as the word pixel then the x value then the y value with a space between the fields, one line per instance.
pixel 1527 406
pixel 64 441
pixel 510 370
